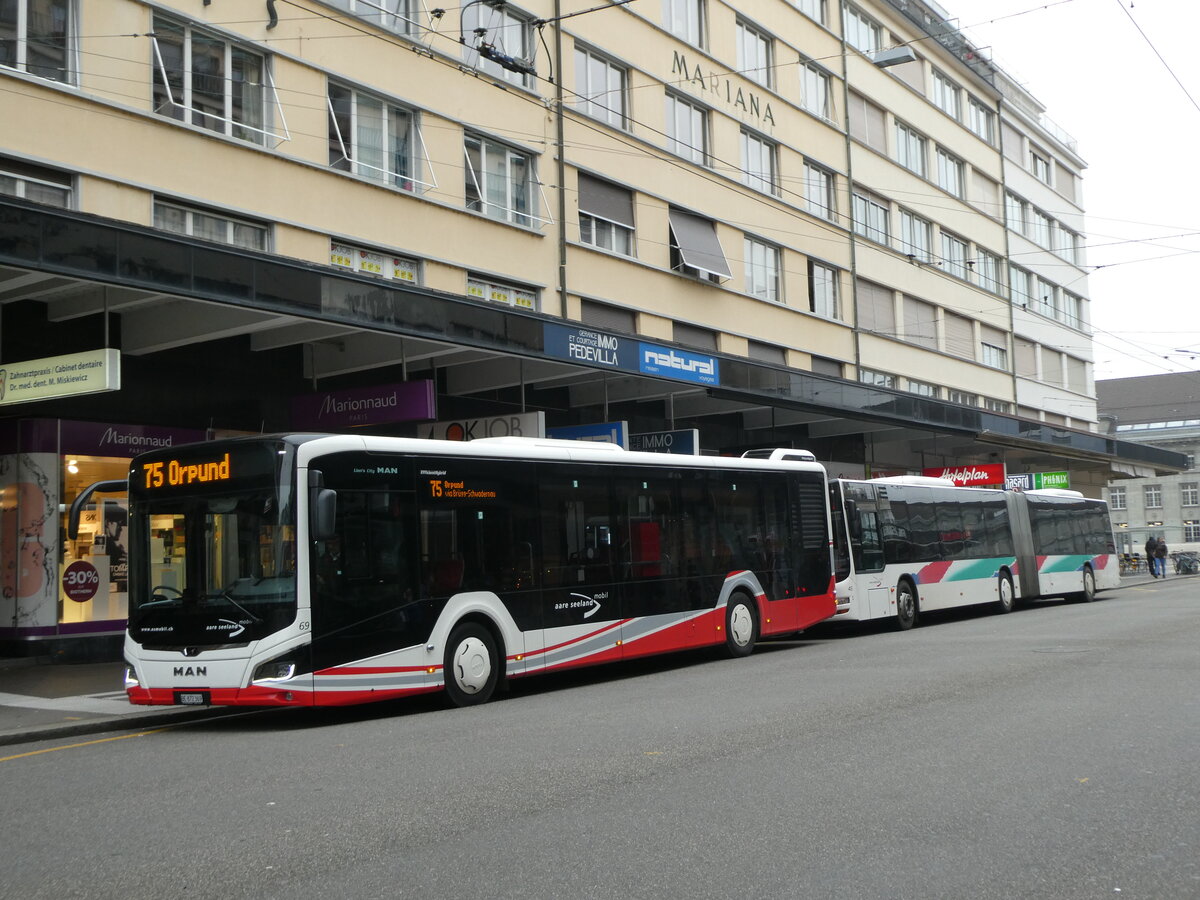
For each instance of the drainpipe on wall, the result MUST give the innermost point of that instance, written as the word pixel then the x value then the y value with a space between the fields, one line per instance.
pixel 562 163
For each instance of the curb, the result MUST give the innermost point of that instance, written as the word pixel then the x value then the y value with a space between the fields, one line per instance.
pixel 134 722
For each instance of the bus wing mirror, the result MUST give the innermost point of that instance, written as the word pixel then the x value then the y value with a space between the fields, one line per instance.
pixel 77 505
pixel 324 514
pixel 853 522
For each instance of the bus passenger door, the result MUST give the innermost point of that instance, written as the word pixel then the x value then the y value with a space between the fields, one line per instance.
pixel 582 604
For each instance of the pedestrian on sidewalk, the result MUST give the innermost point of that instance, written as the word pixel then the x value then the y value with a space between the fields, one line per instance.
pixel 1152 555
pixel 1160 554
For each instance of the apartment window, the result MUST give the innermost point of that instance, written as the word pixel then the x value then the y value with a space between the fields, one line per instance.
pixel 762 269
pixel 204 80
pixel 949 173
pixel 1191 532
pixel 499 180
pixel 861 31
pixel 915 235
pixel 1015 210
pixel 910 149
pixel 754 54
pixel 875 307
pixel 924 389
pixel 1044 297
pixel 818 191
pixel 1153 496
pixel 600 84
pixel 867 122
pixel 1070 309
pixel 822 290
pixel 209 225
pixel 373 262
pixel 371 137
pixel 876 379
pixel 685 20
pixel 987 271
pixel 1018 280
pixel 605 215
pixel 962 398
pixel 920 323
pixel 996 357
pixel 1052 367
pixel 871 217
pixel 687 129
pixel 1066 243
pixel 1189 493
pixel 37 36
pixel 947 96
pixel 400 16
pixel 694 247
pixel 981 120
pixel 1040 226
pixel 954 255
pixel 1039 165
pixel 507 31
pixel 1000 406
pixel 37 184
pixel 814 9
pixel 758 163
pixel 505 294
pixel 814 90
pixel 958 333
pixel 1116 498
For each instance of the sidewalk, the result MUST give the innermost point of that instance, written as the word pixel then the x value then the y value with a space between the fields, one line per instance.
pixel 42 700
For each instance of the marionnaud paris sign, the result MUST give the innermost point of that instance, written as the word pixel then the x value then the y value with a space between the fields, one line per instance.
pixel 586 345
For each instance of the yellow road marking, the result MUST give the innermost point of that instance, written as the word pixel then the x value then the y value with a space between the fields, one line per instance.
pixel 119 737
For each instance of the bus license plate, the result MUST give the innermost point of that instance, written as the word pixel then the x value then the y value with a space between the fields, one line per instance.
pixel 191 698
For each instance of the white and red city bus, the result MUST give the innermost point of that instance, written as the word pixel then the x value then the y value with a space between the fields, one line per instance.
pixel 329 570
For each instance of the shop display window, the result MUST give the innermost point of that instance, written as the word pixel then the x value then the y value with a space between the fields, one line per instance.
pixel 94 570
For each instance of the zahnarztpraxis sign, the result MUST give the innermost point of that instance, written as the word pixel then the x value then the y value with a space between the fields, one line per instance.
pixel 60 376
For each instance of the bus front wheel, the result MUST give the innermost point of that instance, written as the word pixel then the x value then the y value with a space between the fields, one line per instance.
pixel 1006 594
pixel 1088 594
pixel 906 605
pixel 741 626
pixel 471 666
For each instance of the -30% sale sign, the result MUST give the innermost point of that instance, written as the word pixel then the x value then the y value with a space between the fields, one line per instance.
pixel 80 581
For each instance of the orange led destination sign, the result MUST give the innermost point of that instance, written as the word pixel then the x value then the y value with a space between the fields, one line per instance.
pixel 174 473
pixel 458 490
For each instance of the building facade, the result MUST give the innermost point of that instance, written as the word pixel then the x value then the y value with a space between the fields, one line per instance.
pixel 784 223
pixel 1162 411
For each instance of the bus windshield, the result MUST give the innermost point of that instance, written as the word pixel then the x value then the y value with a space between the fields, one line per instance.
pixel 215 568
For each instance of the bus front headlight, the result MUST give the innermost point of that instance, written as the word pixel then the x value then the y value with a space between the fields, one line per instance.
pixel 131 679
pixel 274 670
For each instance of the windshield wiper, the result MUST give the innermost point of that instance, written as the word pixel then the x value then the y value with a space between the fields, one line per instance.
pixel 227 594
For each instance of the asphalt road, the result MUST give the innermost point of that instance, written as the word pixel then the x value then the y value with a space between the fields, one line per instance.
pixel 1053 753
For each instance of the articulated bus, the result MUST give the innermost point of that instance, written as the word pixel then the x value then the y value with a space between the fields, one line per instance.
pixel 315 570
pixel 907 545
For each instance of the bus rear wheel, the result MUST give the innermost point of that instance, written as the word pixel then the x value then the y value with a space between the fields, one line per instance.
pixel 1005 594
pixel 471 665
pixel 906 605
pixel 741 626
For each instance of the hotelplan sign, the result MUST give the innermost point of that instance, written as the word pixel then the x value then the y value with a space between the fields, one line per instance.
pixel 52 377
pixel 608 351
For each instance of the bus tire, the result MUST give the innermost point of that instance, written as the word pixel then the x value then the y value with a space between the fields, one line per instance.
pixel 1088 594
pixel 472 665
pixel 1006 596
pixel 741 625
pixel 906 605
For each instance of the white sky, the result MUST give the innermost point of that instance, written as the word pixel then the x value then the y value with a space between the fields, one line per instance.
pixel 1139 131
